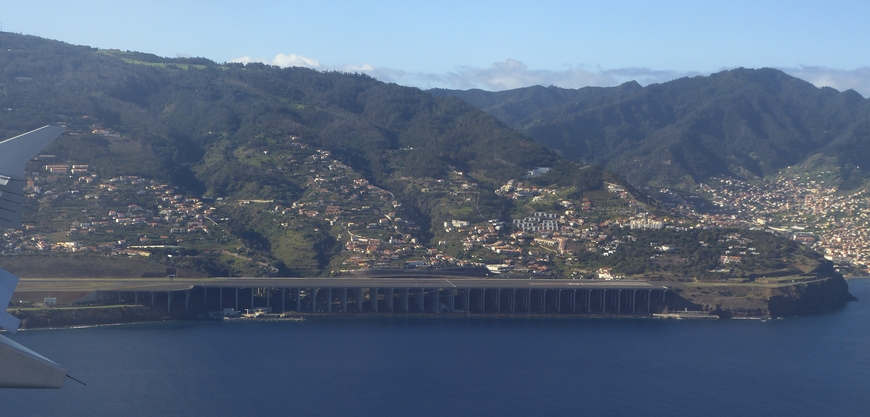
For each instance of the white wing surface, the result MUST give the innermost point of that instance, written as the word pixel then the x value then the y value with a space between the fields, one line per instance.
pixel 14 154
pixel 20 367
pixel 8 282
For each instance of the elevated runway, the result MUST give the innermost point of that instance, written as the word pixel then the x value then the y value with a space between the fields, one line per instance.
pixel 371 295
pixel 164 284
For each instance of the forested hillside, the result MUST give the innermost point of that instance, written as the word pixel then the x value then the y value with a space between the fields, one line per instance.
pixel 241 133
pixel 231 169
pixel 742 123
pixel 181 112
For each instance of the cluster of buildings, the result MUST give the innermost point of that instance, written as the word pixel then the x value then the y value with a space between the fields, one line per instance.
pixel 804 207
pixel 375 230
pixel 66 168
pixel 645 223
pixel 16 241
pixel 519 190
pixel 539 222
pixel 531 244
pixel 118 225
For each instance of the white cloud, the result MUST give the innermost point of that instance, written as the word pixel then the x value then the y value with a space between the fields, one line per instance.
pixel 282 60
pixel 857 79
pixel 293 60
pixel 367 68
pixel 511 73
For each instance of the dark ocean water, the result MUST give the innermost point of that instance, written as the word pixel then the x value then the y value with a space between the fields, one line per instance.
pixel 810 366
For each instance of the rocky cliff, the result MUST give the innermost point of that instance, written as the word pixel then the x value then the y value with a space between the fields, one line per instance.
pixel 792 299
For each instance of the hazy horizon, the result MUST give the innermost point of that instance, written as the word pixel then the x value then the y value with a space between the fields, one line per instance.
pixel 488 45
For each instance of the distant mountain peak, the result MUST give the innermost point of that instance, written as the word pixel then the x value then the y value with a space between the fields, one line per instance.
pixel 735 122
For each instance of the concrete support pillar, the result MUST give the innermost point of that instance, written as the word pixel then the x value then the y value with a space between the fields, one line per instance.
pixel 135 297
pixel 168 301
pixel 664 293
pixel 421 302
pixel 482 300
pixel 573 301
pixel 344 300
pixel 604 301
pixel 329 300
pixel 633 301
pixel 152 297
pixel 252 299
pixel 283 300
pixel 186 299
pixel 389 297
pixel 467 304
pixel 619 301
pixel 221 300
pixel 268 296
pixel 436 299
pixel 512 304
pixel 404 294
pixel 359 299
pixel 529 301
pixel 237 298
pixel 498 300
pixel 451 299
pixel 543 300
pixel 373 298
pixel 648 297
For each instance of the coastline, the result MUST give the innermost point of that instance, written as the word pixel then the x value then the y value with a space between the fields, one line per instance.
pixel 84 322
pixel 34 322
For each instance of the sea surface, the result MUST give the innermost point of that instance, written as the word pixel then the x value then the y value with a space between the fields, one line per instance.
pixel 808 366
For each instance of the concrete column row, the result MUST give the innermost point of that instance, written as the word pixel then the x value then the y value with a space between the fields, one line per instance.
pixel 434 300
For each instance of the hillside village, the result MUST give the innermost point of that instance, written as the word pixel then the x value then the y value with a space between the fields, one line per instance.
pixel 81 212
pixel 547 235
pixel 807 208
pixel 255 171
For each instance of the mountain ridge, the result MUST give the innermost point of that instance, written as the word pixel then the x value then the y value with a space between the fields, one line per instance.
pixel 307 142
pixel 732 123
pixel 231 169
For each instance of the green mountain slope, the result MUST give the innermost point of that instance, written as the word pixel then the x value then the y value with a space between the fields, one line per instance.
pixel 254 132
pixel 248 170
pixel 743 122
pixel 180 112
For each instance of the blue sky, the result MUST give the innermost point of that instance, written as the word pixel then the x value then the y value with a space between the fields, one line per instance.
pixel 493 45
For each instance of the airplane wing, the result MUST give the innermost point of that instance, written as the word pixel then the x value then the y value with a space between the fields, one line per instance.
pixel 8 282
pixel 20 367
pixel 14 154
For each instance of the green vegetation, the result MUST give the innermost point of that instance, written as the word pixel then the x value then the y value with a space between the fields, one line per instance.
pixel 253 170
pixel 710 255
pixel 743 123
